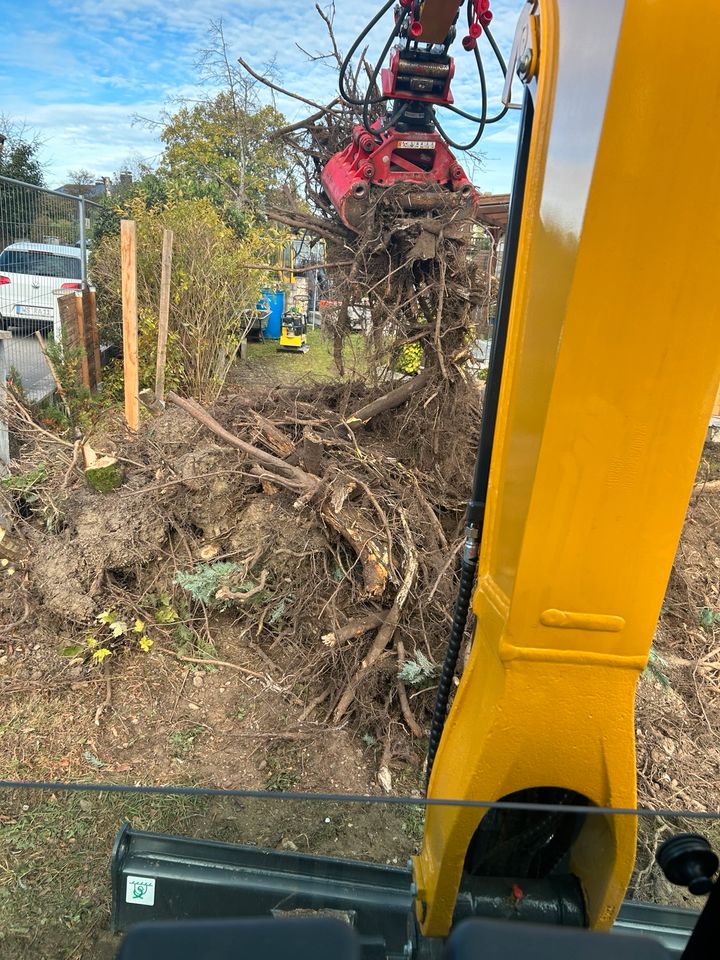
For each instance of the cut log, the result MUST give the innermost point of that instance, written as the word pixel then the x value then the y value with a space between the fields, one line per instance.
pixel 389 401
pixel 313 452
pixel 105 475
pixel 273 437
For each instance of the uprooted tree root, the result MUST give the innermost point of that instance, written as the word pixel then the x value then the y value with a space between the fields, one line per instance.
pixel 338 545
pixel 344 553
pixel 411 275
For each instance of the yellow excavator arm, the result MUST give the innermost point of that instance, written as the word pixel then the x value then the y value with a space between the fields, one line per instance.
pixel 611 370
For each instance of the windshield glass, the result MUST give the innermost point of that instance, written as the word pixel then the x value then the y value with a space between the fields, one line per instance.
pixel 40 263
pixel 58 898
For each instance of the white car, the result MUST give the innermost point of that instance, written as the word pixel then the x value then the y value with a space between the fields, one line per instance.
pixel 29 273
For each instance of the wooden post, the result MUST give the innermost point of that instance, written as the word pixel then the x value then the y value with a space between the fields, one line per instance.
pixel 128 262
pixel 164 315
pixel 82 338
pixel 94 337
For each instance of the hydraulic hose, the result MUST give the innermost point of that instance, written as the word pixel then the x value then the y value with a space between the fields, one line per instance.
pixel 346 62
pixel 368 102
pixel 475 515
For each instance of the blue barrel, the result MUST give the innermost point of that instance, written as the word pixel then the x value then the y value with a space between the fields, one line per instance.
pixel 273 327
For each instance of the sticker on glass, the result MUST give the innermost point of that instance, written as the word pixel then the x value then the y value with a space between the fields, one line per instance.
pixel 140 890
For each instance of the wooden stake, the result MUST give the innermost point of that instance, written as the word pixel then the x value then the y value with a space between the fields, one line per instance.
pixel 164 315
pixel 94 337
pixel 84 363
pixel 128 261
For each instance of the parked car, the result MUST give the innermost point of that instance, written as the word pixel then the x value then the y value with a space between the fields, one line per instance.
pixel 29 273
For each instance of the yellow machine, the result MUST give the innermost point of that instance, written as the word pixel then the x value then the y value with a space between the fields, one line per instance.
pixel 604 373
pixel 293 337
pixel 610 373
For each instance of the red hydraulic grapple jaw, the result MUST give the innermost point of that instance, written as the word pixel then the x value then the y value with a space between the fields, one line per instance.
pixel 354 178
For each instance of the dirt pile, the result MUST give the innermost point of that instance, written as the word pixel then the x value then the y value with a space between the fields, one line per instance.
pixel 328 548
pixel 325 571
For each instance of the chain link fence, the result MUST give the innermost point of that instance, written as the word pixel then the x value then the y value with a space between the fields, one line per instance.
pixel 44 244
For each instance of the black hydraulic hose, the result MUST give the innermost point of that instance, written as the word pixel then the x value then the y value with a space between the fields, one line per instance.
pixel 346 62
pixel 503 68
pixel 393 119
pixel 475 516
pixel 484 100
pixel 482 122
pixel 368 102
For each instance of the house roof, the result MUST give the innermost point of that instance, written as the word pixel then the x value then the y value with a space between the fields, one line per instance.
pixel 493 209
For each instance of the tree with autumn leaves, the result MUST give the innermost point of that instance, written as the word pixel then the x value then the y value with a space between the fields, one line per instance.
pixel 219 169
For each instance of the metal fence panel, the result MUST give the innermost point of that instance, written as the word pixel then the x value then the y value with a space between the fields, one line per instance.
pixel 43 252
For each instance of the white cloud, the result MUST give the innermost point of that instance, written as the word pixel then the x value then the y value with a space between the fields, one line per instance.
pixel 136 55
pixel 508 134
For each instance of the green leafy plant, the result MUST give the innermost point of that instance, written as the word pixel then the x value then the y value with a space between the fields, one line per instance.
pixel 15 383
pixel 163 610
pixel 211 286
pixel 81 407
pixel 708 618
pixel 24 482
pixel 204 581
pixel 417 671
pixel 112 633
pixel 655 669
pixel 181 741
pixel 113 377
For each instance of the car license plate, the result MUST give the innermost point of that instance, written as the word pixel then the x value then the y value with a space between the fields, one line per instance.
pixel 25 310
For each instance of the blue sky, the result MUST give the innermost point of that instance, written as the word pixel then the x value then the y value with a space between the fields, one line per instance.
pixel 78 71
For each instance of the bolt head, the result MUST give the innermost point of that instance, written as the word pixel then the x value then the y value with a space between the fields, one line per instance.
pixel 524 63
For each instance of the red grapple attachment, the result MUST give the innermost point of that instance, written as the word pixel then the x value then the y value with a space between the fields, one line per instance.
pixel 356 176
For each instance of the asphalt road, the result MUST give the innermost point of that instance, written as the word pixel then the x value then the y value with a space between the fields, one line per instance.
pixel 25 355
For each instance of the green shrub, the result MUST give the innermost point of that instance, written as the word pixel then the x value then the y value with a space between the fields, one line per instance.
pixel 212 284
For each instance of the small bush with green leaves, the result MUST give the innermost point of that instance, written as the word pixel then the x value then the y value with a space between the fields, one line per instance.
pixel 204 581
pixel 417 671
pixel 111 634
pixel 708 618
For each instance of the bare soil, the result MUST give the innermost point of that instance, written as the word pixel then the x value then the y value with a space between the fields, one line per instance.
pixel 242 697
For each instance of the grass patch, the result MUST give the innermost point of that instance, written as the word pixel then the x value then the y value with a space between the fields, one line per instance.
pixel 181 742
pixel 317 364
pixel 54 867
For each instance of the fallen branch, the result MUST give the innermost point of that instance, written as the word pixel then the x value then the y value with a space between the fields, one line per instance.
pixel 389 401
pixel 316 702
pixel 239 596
pixel 280 471
pixel 387 630
pixel 279 444
pixel 73 463
pixel 213 663
pixel 349 522
pixel 407 713
pixel 705 486
pixel 355 628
